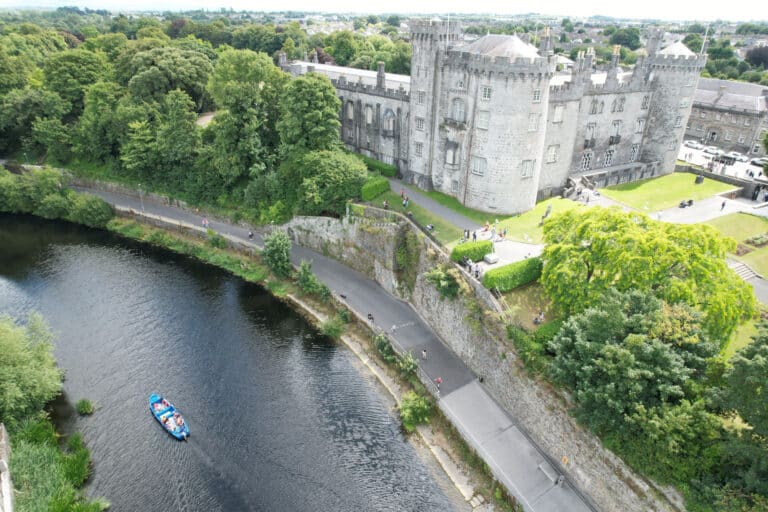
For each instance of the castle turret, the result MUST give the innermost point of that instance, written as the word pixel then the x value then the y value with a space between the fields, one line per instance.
pixel 381 77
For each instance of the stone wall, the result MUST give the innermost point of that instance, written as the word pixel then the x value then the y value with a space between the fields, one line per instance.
pixel 477 336
pixel 6 488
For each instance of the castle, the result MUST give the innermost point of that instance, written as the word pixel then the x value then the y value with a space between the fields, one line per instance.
pixel 495 125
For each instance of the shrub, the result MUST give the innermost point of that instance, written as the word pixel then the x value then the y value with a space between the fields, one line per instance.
pixel 472 250
pixel 90 211
pixel 373 188
pixel 84 407
pixel 513 275
pixel 407 364
pixel 77 463
pixel 445 282
pixel 414 410
pixel 530 349
pixel 215 239
pixel 384 348
pixel 53 206
pixel 380 167
pixel 277 252
pixel 333 327
pixel 309 283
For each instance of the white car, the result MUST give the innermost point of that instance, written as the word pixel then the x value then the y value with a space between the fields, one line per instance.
pixel 693 144
pixel 760 162
pixel 712 150
pixel 738 156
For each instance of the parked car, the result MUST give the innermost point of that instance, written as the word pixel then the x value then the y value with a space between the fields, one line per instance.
pixel 760 162
pixel 738 156
pixel 693 144
pixel 712 150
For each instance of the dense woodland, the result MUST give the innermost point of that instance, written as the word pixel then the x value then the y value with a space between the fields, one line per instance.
pixel 644 314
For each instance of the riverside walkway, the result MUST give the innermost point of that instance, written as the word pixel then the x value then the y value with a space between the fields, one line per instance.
pixel 514 459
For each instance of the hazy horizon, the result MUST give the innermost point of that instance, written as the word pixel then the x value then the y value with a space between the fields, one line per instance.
pixel 738 11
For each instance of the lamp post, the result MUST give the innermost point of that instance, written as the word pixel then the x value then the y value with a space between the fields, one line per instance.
pixel 141 198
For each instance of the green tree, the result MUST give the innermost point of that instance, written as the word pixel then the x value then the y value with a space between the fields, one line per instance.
pixel 693 42
pixel 70 73
pixel 28 374
pixel 139 153
pixel 590 251
pixel 629 37
pixel 177 139
pixel 414 410
pixel 98 130
pixel 90 210
pixel 19 109
pixel 342 46
pixel 746 390
pixel 277 252
pixel 329 180
pixel 310 115
pixel 54 136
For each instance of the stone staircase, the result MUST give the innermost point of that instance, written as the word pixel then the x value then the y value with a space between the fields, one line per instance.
pixel 742 270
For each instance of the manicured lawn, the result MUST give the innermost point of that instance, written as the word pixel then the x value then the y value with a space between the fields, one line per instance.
pixel 524 304
pixel 446 233
pixel 740 226
pixel 740 339
pixel 454 204
pixel 525 227
pixel 758 260
pixel 656 194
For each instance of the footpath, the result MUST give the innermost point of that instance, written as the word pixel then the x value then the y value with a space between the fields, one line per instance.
pixel 514 459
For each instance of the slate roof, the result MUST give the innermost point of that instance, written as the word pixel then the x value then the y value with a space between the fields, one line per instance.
pixel 495 45
pixel 737 96
pixel 677 49
pixel 353 75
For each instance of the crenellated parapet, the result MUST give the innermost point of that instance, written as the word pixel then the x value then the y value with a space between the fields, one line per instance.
pixel 434 32
pixel 518 69
pixel 682 63
pixel 342 84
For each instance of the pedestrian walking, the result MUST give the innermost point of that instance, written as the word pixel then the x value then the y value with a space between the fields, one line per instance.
pixel 722 206
pixel 370 317
pixel 474 236
pixel 250 235
pixel 438 381
pixel 424 354
pixel 394 328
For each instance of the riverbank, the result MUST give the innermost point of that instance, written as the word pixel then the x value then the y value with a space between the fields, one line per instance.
pixel 464 469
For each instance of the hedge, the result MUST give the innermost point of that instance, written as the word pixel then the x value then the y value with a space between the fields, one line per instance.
pixel 380 167
pixel 373 188
pixel 472 250
pixel 513 275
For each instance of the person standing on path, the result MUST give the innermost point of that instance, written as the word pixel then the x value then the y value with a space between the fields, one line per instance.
pixel 424 354
pixel 722 206
pixel 438 381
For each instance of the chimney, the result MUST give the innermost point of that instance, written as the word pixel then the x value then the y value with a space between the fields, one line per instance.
pixel 381 77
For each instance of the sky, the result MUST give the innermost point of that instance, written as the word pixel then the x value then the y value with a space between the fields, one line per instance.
pixel 737 10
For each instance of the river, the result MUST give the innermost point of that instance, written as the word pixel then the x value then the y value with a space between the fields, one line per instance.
pixel 281 418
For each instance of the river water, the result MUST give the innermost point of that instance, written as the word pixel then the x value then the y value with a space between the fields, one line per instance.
pixel 281 418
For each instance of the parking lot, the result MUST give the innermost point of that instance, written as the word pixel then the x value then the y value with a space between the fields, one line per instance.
pixel 737 169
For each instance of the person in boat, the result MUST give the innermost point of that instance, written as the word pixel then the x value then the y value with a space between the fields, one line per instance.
pixel 158 407
pixel 178 419
pixel 165 403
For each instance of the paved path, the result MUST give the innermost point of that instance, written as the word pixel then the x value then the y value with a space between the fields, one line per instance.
pixel 515 460
pixel 432 206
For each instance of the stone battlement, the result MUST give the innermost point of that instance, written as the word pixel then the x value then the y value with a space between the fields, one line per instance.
pixel 521 68
pixel 397 94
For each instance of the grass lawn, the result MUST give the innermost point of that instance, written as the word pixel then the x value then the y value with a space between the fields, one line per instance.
pixel 524 304
pixel 740 225
pixel 444 231
pixel 757 259
pixel 656 194
pixel 454 204
pixel 740 339
pixel 525 227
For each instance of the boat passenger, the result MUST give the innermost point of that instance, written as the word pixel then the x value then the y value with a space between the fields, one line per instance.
pixel 179 419
pixel 165 402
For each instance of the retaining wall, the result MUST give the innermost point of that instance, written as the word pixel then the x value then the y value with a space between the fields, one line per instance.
pixel 6 487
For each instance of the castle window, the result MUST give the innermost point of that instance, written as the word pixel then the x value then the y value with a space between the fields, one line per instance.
pixel 350 111
pixel 646 101
pixel 451 153
pixel 591 130
pixel 553 153
pixel 533 122
pixel 368 115
pixel 526 169
pixel 483 118
pixel 537 96
pixel 420 123
pixel 455 186
pixel 421 97
pixel 622 100
pixel 728 135
pixel 602 106
pixel 616 127
pixel 458 110
pixel 640 126
pixel 742 138
pixel 485 93
pixel 746 122
pixel 703 115
pixel 672 144
pixel 614 105
pixel 593 109
pixel 479 165
pixel 699 127
pixel 418 149
pixel 756 148
pixel 608 158
pixel 633 151
pixel 460 85
pixel 586 161
pixel 558 116
pixel 678 121
pixel 389 121
pixel 684 103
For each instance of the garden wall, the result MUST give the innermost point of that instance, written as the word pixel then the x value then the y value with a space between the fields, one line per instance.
pixel 470 326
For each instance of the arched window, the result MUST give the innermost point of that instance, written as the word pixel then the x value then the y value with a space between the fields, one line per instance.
pixel 389 121
pixel 368 114
pixel 350 111
pixel 593 110
pixel 458 110
pixel 451 153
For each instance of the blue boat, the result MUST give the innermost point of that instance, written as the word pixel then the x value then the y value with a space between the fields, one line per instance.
pixel 165 413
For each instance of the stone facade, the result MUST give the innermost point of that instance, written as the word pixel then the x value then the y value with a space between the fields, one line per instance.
pixel 493 124
pixel 538 409
pixel 730 115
